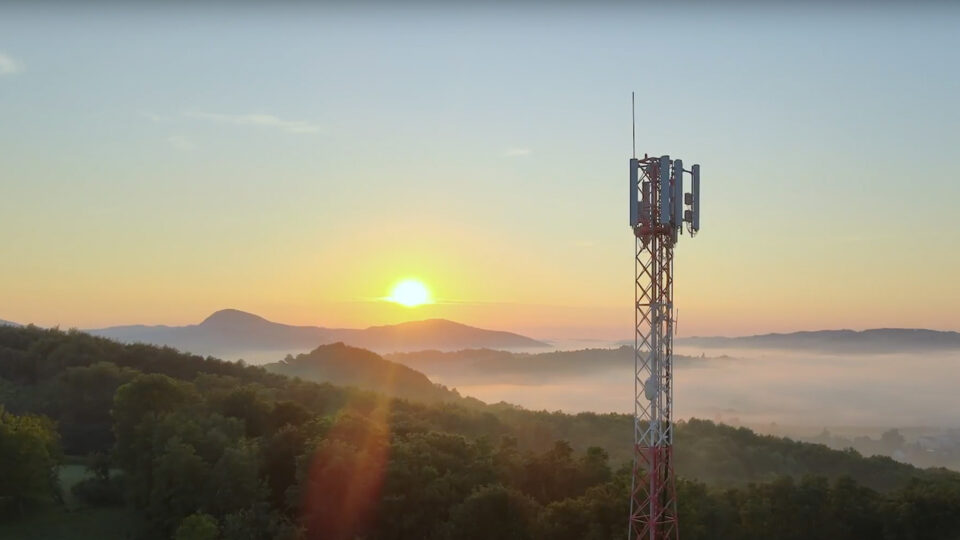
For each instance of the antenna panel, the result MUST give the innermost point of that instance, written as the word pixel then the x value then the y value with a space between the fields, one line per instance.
pixel 665 205
pixel 678 193
pixel 695 173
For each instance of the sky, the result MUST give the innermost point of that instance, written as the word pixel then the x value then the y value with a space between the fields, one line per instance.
pixel 161 161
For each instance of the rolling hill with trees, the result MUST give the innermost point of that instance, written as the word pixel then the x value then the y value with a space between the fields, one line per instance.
pixel 184 446
pixel 343 365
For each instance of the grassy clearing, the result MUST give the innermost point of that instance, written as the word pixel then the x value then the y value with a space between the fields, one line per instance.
pixel 70 475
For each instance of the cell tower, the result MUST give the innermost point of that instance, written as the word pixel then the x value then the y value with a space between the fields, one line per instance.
pixel 659 209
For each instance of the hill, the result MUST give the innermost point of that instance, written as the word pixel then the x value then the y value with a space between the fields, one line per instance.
pixel 343 365
pixel 879 340
pixel 8 323
pixel 267 456
pixel 60 373
pixel 435 334
pixel 234 334
pixel 492 366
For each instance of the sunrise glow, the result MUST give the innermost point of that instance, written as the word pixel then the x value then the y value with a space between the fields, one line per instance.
pixel 410 293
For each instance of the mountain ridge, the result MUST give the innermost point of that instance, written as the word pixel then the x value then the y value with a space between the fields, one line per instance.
pixel 872 340
pixel 233 333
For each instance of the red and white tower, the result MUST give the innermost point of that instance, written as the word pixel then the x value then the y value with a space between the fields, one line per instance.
pixel 659 209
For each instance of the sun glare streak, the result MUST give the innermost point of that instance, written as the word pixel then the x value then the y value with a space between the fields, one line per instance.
pixel 410 293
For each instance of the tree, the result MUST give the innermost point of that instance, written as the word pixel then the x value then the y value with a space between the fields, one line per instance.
pixel 554 475
pixel 82 397
pixel 197 527
pixel 29 456
pixel 137 405
pixel 341 489
pixel 180 479
pixel 234 483
pixel 427 475
pixel 280 452
pixel 246 404
pixel 492 512
pixel 286 413
pixel 138 408
pixel 258 522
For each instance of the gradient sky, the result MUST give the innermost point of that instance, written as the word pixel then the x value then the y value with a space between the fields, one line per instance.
pixel 160 162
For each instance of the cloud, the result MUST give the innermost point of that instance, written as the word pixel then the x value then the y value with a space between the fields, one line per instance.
pixel 517 152
pixel 181 142
pixel 9 66
pixel 259 120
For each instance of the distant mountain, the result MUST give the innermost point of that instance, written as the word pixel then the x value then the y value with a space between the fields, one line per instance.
pixel 232 334
pixel 490 366
pixel 880 340
pixel 343 365
pixel 8 323
pixel 228 334
pixel 438 334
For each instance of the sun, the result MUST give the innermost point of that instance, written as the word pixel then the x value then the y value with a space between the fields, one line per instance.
pixel 410 293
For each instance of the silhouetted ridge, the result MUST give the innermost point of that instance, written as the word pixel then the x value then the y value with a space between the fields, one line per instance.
pixel 877 340
pixel 228 317
pixel 232 333
pixel 341 364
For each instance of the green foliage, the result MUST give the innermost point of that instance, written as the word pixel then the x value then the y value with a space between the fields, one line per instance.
pixel 726 456
pixel 258 522
pixel 181 479
pixel 197 527
pixel 138 406
pixel 787 509
pixel 280 452
pixel 492 512
pixel 210 449
pixel 81 398
pixel 85 523
pixel 341 478
pixel 246 404
pixel 98 491
pixel 234 483
pixel 595 515
pixel 427 475
pixel 29 456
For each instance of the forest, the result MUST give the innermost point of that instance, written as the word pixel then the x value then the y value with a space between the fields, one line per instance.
pixel 172 445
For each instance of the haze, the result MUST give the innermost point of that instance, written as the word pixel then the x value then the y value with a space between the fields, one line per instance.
pixel 755 387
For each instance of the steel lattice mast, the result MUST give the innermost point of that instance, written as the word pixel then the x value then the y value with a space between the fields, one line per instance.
pixel 657 216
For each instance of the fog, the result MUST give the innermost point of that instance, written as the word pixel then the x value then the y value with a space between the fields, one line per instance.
pixel 757 387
